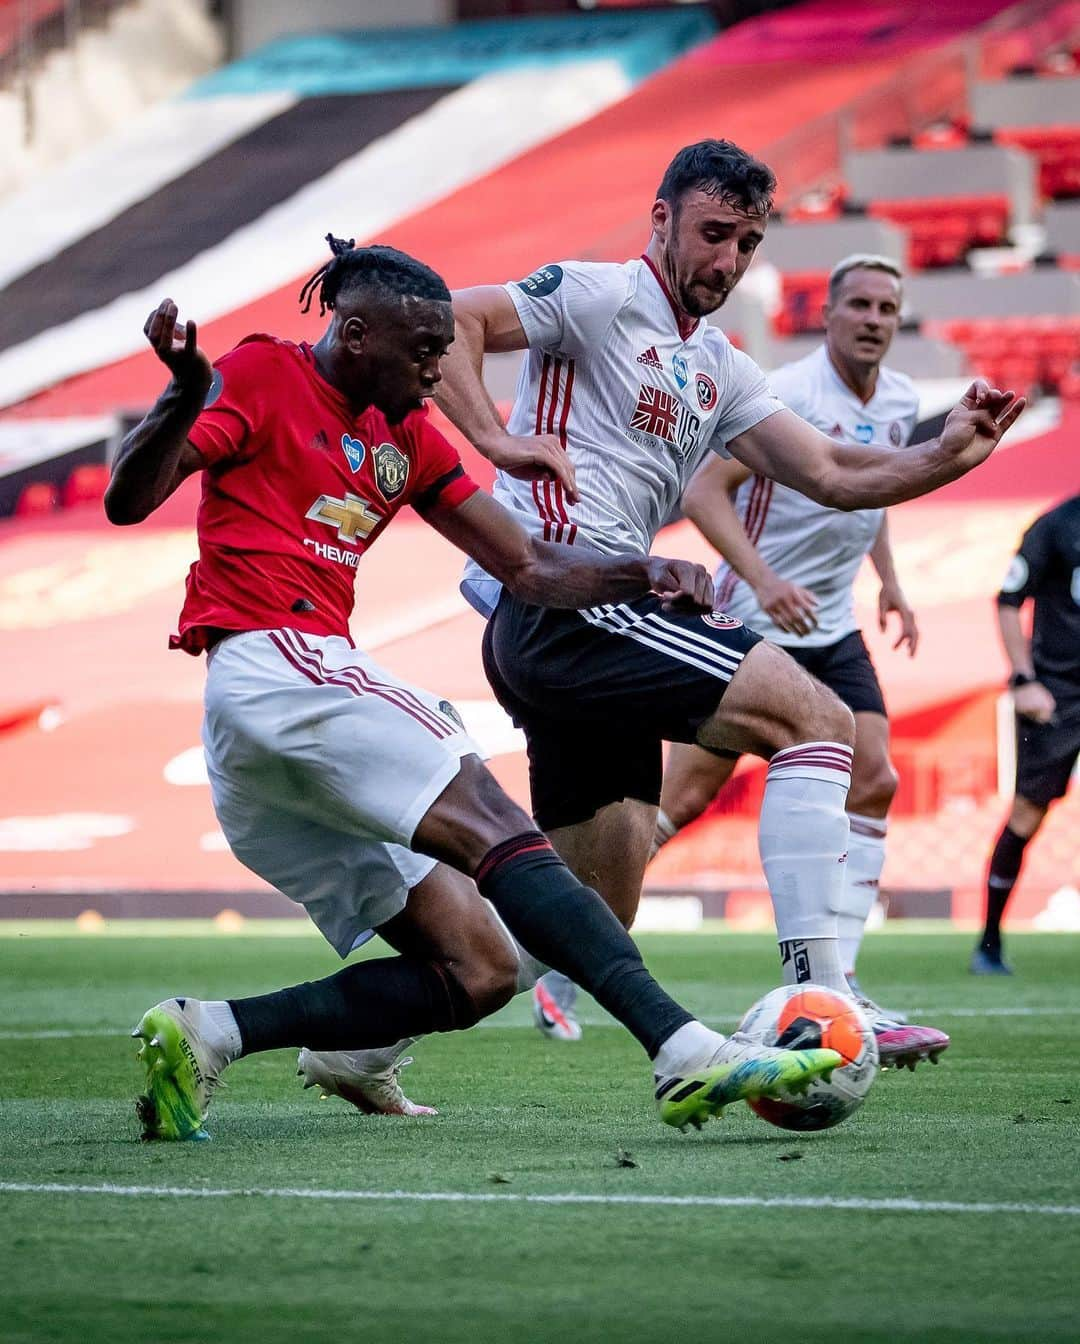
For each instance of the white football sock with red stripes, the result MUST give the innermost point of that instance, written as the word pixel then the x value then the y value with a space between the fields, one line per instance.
pixel 862 876
pixel 802 838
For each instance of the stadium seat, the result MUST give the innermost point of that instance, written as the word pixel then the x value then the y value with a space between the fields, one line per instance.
pixel 36 499
pixel 802 295
pixel 85 485
pixel 942 229
pixel 828 203
pixel 1057 150
pixel 941 135
pixel 1017 352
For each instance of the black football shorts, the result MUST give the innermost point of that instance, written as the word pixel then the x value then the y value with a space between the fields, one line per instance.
pixel 846 668
pixel 1046 753
pixel 598 691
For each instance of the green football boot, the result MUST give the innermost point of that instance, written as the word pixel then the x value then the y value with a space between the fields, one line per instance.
pixel 739 1070
pixel 182 1071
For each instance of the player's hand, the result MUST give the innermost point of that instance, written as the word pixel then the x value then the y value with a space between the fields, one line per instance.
pixel 680 584
pixel 976 423
pixel 792 608
pixel 892 599
pixel 1034 702
pixel 534 457
pixel 177 347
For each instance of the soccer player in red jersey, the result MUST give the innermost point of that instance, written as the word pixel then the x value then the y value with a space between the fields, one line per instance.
pixel 348 790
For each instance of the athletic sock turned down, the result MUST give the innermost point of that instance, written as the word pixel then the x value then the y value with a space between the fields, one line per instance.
pixel 569 928
pixel 803 837
pixel 1005 864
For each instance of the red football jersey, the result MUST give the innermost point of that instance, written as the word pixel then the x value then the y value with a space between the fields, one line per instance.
pixel 296 487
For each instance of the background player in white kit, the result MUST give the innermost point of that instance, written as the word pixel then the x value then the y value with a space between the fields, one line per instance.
pixel 624 373
pixel 789 566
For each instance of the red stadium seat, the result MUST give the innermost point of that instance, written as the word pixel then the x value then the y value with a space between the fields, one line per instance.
pixel 802 296
pixel 1057 149
pixel 1017 352
pixel 36 499
pixel 942 135
pixel 85 485
pixel 941 229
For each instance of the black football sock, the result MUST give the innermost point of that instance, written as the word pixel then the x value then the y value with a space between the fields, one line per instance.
pixel 370 1004
pixel 1005 864
pixel 569 928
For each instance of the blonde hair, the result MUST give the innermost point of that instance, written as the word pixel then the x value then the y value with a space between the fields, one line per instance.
pixel 862 261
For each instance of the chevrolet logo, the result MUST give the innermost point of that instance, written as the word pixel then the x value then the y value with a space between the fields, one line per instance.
pixel 351 516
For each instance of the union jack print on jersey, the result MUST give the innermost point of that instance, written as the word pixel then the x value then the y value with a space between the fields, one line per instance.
pixel 656 412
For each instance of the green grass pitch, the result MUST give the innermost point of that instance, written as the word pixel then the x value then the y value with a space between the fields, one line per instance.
pixel 997 1123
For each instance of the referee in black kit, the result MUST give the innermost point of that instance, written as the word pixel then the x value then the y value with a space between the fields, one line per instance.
pixel 1045 683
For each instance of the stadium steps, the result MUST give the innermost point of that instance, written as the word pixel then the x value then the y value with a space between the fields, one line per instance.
pixel 126 56
pixel 351 152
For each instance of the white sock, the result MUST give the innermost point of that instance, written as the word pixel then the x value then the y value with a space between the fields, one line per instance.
pixel 866 859
pixel 529 970
pixel 218 1028
pixel 686 1049
pixel 561 988
pixel 802 839
pixel 665 830
pixel 816 960
pixel 849 932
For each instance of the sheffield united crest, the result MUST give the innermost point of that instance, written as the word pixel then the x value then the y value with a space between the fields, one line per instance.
pixel 391 469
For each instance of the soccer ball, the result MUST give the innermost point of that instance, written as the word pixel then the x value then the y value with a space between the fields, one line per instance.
pixel 806 1017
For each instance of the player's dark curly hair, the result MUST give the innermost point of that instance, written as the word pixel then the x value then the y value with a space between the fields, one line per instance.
pixel 721 169
pixel 353 268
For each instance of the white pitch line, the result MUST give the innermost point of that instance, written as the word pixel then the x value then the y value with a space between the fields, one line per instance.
pixel 465 1197
pixel 58 1035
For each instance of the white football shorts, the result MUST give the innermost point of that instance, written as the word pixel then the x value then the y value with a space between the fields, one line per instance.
pixel 322 764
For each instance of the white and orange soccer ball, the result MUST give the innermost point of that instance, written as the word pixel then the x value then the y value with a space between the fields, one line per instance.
pixel 808 1017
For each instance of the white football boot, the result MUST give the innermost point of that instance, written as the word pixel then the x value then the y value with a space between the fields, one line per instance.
pixel 366 1078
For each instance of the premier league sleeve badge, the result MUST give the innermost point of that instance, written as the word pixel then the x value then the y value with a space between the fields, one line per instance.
pixel 391 470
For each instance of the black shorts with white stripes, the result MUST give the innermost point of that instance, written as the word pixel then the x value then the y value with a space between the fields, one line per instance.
pixel 847 669
pixel 597 692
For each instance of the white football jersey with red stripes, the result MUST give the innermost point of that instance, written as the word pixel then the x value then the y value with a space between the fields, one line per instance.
pixel 637 396
pixel 806 543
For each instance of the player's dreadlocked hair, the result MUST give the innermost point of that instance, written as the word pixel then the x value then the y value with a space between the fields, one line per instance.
pixel 723 170
pixel 376 267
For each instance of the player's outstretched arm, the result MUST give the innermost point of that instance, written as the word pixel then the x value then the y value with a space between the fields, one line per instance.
pixel 707 503
pixel 849 476
pixel 156 456
pixel 552 575
pixel 486 321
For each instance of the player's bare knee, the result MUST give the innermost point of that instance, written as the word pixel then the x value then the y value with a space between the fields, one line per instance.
pixel 873 788
pixel 828 719
pixel 490 980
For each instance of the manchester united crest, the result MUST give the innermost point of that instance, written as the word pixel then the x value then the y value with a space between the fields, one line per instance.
pixel 391 469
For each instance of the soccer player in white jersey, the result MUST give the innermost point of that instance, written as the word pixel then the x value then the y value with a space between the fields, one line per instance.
pixel 351 792
pixel 624 374
pixel 790 566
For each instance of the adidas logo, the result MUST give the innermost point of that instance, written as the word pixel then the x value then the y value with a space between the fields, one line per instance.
pixel 651 358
